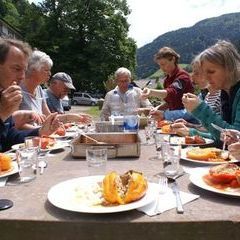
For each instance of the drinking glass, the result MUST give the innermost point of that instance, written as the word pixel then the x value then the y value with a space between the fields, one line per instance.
pixel 171 158
pixel 148 135
pixel 27 159
pixel 160 139
pixel 96 160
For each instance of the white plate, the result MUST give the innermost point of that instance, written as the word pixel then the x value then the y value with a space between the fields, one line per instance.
pixel 64 196
pixel 17 146
pixel 181 140
pixel 57 145
pixel 185 158
pixel 13 170
pixel 197 179
pixel 67 135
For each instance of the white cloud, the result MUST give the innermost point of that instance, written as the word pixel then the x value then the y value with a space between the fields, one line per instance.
pixel 151 18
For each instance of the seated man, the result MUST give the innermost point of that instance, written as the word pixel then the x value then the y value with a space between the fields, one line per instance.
pixel 123 78
pixel 13 62
pixel 59 86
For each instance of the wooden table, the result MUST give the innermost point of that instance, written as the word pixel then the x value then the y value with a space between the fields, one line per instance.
pixel 32 217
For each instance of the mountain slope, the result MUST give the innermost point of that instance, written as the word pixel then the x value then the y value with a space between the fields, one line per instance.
pixel 190 41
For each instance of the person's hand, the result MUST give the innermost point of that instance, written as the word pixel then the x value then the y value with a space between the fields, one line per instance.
pixel 190 101
pixel 181 120
pixel 10 99
pixel 234 150
pixel 22 117
pixel 145 93
pixel 156 114
pixel 230 136
pixel 51 124
pixel 85 118
pixel 180 129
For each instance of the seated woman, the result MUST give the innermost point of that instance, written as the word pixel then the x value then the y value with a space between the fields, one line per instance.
pixel 221 67
pixel 176 83
pixel 39 72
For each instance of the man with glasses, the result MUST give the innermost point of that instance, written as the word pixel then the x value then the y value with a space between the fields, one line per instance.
pixel 123 79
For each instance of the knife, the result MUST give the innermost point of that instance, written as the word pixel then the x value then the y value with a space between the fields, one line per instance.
pixel 220 129
pixel 178 199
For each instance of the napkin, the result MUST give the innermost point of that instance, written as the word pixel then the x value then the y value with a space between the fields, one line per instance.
pixel 167 201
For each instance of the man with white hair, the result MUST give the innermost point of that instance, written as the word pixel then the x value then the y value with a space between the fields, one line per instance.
pixel 123 79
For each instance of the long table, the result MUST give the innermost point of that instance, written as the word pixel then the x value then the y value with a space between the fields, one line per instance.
pixel 212 216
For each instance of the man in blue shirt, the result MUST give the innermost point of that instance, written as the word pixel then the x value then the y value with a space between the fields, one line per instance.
pixel 13 63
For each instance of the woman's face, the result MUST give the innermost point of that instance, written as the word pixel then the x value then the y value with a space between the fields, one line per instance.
pixel 167 65
pixel 216 75
pixel 44 73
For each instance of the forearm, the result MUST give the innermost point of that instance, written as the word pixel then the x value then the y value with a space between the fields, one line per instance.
pixel 158 93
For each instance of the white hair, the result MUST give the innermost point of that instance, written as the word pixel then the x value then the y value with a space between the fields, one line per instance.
pixel 122 71
pixel 37 60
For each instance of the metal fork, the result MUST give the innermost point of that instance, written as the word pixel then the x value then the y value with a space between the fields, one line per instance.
pixel 162 188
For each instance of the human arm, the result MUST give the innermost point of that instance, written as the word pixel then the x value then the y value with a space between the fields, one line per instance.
pixel 147 92
pixel 73 117
pixel 204 113
pixel 106 110
pixel 21 119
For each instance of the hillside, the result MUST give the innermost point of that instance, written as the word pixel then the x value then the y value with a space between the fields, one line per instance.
pixel 190 41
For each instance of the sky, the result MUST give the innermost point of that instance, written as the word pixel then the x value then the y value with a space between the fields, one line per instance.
pixel 152 18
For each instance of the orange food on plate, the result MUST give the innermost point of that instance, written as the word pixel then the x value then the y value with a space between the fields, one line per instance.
pixel 60 131
pixel 206 154
pixel 47 142
pixel 162 123
pixel 194 140
pixel 5 162
pixel 126 188
pixel 166 128
pixel 223 176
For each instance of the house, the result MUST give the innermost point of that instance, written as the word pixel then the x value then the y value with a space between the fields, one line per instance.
pixel 7 30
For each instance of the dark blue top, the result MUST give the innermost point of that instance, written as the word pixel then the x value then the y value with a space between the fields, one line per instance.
pixel 9 135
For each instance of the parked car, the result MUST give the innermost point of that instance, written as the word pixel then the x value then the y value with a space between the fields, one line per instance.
pixel 66 102
pixel 84 99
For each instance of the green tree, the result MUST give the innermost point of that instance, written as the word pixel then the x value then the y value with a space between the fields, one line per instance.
pixel 88 39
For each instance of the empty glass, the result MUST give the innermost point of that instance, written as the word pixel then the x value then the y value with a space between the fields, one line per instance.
pixel 171 158
pixel 96 160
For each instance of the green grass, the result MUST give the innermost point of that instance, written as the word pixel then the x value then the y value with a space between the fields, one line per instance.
pixel 94 112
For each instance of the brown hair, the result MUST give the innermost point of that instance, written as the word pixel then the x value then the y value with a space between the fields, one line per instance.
pixel 6 44
pixel 168 53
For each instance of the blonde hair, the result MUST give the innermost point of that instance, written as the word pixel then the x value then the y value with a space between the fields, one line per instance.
pixel 225 54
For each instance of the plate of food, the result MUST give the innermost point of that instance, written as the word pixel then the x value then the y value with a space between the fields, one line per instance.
pixel 191 141
pixel 208 156
pixel 223 179
pixel 47 143
pixel 7 166
pixel 89 194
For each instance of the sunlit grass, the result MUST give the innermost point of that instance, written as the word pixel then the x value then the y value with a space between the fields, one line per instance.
pixel 94 112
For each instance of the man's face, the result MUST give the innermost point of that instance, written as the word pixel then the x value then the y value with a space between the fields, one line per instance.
pixel 14 67
pixel 122 82
pixel 59 89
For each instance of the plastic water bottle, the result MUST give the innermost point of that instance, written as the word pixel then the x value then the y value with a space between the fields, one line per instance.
pixel 131 121
pixel 115 104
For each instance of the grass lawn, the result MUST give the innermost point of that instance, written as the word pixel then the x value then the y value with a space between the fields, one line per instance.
pixel 94 112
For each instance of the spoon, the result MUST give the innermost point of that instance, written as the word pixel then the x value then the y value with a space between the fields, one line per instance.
pixel 42 164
